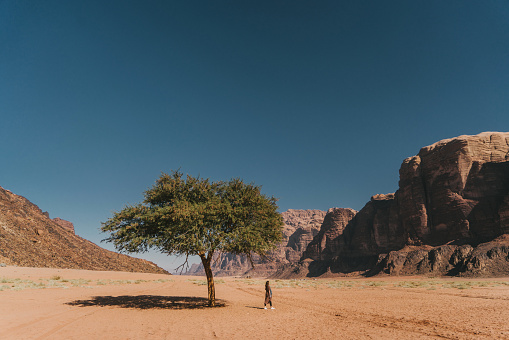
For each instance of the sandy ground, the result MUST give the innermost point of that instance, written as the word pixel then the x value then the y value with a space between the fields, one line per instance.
pixel 79 304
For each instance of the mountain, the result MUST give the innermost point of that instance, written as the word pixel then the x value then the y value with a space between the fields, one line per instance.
pixel 329 239
pixel 299 229
pixel 29 238
pixel 450 216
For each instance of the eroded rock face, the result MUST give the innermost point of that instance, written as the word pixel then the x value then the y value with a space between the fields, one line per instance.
pixel 456 189
pixel 486 259
pixel 299 229
pixel 330 239
pixel 375 229
pixel 453 195
pixel 29 238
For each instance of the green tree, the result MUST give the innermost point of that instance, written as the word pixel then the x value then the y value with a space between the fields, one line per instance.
pixel 194 216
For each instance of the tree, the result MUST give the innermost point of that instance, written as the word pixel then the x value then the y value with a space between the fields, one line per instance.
pixel 194 216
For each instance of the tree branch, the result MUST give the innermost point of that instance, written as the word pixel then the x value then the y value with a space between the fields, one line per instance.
pixel 181 267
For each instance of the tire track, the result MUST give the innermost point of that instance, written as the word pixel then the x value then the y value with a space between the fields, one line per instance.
pixel 407 324
pixel 434 292
pixel 13 333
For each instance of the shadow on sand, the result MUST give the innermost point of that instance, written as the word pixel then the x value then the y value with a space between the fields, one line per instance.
pixel 147 302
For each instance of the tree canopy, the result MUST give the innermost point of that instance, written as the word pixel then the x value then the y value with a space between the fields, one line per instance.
pixel 194 216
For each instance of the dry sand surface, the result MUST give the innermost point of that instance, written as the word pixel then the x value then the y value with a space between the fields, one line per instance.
pixel 42 303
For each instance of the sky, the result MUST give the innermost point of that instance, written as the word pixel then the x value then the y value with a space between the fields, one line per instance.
pixel 319 102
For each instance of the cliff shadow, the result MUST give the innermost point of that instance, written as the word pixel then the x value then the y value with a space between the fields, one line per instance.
pixel 488 185
pixel 147 302
pixel 362 265
pixel 318 267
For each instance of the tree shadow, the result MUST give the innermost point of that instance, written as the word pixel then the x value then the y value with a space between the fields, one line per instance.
pixel 148 302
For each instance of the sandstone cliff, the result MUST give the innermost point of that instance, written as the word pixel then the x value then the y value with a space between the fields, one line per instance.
pixel 330 239
pixel 449 216
pixel 452 202
pixel 299 229
pixel 28 237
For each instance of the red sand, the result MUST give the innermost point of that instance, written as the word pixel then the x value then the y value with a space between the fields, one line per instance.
pixel 173 309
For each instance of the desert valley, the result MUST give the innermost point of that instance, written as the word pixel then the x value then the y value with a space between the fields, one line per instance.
pixel 428 261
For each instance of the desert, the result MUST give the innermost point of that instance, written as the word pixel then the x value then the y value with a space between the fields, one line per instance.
pixel 162 161
pixel 47 303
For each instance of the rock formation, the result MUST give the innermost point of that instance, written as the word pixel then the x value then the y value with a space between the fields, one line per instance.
pixel 449 216
pixel 456 189
pixel 28 237
pixel 64 224
pixel 330 237
pixel 452 196
pixel 299 229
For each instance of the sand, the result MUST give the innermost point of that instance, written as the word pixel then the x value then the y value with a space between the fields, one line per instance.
pixel 79 304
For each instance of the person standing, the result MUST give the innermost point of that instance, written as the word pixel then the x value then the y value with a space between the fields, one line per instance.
pixel 268 296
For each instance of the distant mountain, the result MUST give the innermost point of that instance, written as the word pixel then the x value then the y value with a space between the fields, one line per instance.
pixel 299 229
pixel 29 238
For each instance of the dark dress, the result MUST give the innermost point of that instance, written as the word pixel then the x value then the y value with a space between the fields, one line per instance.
pixel 268 295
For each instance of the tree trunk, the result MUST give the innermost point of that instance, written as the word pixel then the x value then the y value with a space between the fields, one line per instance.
pixel 210 280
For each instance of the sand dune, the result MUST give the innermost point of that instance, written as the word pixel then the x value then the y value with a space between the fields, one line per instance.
pixel 76 304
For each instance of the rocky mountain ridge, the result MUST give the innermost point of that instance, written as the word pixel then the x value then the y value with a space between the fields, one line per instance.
pixel 449 216
pixel 29 238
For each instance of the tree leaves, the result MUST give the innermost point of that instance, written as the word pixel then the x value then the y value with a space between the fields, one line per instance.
pixel 193 216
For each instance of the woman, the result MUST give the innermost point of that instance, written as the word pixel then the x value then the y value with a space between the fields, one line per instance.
pixel 268 296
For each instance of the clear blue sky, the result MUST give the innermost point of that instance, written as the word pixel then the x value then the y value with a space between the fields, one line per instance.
pixel 317 101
